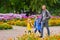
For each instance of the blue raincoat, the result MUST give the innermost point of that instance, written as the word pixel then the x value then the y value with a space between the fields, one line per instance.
pixel 37 24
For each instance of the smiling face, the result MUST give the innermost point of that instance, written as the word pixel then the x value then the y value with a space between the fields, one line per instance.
pixel 43 7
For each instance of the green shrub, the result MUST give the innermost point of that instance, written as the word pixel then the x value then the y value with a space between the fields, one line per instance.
pixel 5 26
pixel 22 23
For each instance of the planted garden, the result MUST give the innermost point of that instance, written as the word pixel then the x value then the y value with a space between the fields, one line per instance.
pixel 13 13
pixel 33 36
pixel 6 20
pixel 20 19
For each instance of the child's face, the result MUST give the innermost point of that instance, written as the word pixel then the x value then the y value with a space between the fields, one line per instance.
pixel 36 17
pixel 28 19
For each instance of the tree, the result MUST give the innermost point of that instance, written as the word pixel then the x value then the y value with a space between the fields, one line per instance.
pixel 28 5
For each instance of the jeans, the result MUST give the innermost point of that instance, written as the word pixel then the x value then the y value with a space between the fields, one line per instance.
pixel 45 23
pixel 37 30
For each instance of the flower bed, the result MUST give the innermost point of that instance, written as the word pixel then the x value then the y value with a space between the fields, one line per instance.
pixel 5 26
pixel 33 36
pixel 20 19
pixel 52 22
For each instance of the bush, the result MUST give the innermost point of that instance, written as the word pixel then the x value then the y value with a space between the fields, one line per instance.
pixel 11 22
pixel 20 23
pixel 54 22
pixel 5 26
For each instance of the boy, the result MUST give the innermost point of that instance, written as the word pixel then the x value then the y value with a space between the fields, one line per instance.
pixel 37 25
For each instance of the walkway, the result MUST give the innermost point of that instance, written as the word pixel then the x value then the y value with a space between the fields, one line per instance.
pixel 19 31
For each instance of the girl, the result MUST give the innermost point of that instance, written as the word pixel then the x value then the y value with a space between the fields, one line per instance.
pixel 29 25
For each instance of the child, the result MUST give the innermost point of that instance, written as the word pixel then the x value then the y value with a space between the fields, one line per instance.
pixel 29 25
pixel 37 25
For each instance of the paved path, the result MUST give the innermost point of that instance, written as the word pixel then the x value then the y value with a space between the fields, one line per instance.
pixel 16 31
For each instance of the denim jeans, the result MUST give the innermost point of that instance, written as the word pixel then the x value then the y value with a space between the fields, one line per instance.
pixel 37 30
pixel 45 23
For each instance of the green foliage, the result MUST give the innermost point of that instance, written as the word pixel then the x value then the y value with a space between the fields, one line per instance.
pixel 34 5
pixel 5 26
pixel 22 23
